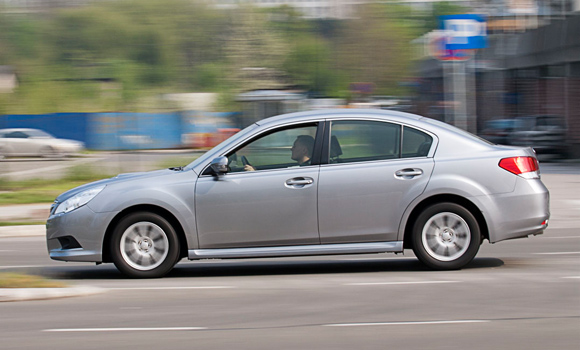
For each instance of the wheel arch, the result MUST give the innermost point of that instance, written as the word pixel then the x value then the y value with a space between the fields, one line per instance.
pixel 166 214
pixel 441 198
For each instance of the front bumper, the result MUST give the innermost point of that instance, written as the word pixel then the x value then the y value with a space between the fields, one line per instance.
pixel 82 226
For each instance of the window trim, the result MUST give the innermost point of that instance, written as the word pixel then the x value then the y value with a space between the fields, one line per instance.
pixel 316 152
pixel 325 156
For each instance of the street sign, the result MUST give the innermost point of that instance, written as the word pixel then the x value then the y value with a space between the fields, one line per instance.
pixel 464 32
pixel 437 48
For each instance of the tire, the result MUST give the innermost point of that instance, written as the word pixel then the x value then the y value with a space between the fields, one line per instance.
pixel 144 245
pixel 446 236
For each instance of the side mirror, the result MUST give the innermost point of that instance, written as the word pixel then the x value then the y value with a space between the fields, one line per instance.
pixel 220 165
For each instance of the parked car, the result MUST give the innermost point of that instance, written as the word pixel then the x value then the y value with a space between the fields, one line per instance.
pixel 310 183
pixel 544 133
pixel 33 142
pixel 498 131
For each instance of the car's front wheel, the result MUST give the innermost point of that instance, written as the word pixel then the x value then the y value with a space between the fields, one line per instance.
pixel 446 236
pixel 144 245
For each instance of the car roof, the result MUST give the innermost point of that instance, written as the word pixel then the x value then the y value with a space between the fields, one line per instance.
pixel 343 113
pixel 418 121
pixel 16 129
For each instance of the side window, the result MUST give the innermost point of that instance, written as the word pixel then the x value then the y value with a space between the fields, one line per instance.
pixel 283 148
pixel 359 141
pixel 16 135
pixel 415 143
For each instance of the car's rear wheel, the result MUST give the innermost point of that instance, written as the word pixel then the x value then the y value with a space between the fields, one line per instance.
pixel 446 236
pixel 144 245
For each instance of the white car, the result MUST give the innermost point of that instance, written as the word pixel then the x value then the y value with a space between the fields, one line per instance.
pixel 33 142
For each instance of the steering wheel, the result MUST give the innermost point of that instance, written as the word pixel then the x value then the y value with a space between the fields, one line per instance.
pixel 245 161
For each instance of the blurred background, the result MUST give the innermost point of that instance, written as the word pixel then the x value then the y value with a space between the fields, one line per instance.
pixel 133 85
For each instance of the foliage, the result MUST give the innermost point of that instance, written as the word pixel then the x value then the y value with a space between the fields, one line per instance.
pixel 111 55
pixel 375 48
pixel 441 8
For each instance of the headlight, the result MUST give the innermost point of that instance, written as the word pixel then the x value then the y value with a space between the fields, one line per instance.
pixel 78 200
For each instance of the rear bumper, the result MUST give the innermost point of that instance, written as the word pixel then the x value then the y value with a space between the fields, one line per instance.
pixel 520 213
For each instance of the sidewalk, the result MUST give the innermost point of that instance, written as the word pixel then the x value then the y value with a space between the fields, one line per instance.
pixel 22 231
pixel 23 213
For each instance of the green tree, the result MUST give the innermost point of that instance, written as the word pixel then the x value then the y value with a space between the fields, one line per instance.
pixel 374 47
pixel 442 8
pixel 254 53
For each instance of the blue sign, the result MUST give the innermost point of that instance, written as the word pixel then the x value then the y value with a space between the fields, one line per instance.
pixel 464 32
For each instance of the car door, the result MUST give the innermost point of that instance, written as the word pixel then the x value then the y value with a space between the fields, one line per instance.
pixel 18 143
pixel 266 199
pixel 375 169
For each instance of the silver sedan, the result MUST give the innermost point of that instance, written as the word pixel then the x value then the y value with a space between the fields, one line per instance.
pixel 311 183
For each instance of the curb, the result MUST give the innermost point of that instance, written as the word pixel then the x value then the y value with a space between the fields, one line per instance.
pixel 24 294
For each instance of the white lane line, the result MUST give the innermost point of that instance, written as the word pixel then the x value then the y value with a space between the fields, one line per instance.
pixel 169 288
pixel 398 283
pixel 572 277
pixel 125 329
pixel 557 253
pixel 20 266
pixel 355 259
pixel 412 323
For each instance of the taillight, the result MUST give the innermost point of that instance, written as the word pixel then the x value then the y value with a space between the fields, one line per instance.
pixel 523 166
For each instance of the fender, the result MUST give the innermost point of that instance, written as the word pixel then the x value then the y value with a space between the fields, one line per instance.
pixel 169 193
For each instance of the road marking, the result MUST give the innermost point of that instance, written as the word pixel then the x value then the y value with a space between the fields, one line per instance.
pixel 20 266
pixel 572 277
pixel 557 253
pixel 169 288
pixel 355 259
pixel 411 323
pixel 125 329
pixel 398 283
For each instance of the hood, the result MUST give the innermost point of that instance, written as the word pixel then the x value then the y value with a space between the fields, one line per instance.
pixel 117 179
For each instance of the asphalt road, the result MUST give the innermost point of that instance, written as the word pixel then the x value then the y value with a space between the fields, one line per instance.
pixel 520 294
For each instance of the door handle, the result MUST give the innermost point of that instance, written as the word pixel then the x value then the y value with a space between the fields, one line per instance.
pixel 299 181
pixel 408 173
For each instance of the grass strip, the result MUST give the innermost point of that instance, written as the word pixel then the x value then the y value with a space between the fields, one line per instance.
pixel 21 223
pixel 17 280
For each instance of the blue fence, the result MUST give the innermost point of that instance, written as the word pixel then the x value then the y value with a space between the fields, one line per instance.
pixel 124 131
pixel 71 126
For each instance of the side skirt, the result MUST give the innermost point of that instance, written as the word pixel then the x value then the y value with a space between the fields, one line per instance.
pixel 300 250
